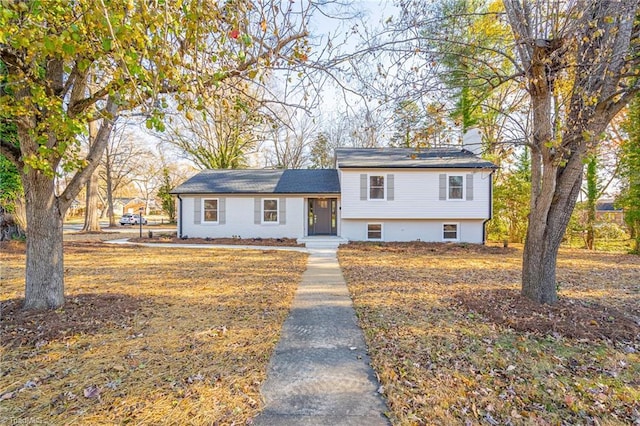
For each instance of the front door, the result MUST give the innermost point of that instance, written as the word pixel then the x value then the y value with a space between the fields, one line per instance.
pixel 323 216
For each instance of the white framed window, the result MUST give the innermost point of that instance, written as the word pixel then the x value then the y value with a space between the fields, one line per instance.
pixel 270 210
pixel 376 187
pixel 455 187
pixel 374 231
pixel 450 231
pixel 210 210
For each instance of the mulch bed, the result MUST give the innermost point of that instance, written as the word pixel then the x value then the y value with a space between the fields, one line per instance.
pixel 570 318
pixel 81 314
pixel 276 242
pixel 427 247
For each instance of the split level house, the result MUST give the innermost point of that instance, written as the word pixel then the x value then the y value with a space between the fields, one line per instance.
pixel 385 194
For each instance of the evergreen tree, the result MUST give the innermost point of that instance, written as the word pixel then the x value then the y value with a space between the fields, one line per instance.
pixel 167 201
pixel 321 152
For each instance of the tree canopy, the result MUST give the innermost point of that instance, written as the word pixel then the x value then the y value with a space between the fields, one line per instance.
pixel 576 64
pixel 71 63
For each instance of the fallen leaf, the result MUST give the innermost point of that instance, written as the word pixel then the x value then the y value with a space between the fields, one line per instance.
pixel 113 384
pixel 491 420
pixel 31 384
pixel 197 378
pixel 92 392
pixel 7 395
pixel 569 400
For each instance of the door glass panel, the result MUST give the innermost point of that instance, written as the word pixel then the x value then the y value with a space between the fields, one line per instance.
pixel 333 214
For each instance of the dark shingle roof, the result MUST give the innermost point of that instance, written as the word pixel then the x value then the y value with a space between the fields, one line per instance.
pixel 298 181
pixel 607 206
pixel 439 158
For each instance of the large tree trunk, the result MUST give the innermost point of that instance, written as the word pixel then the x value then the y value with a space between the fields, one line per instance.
pixel 44 269
pixel 44 278
pixel 595 41
pixel 543 241
pixel 554 190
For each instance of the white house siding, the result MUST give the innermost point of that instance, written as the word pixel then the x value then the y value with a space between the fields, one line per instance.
pixel 415 196
pixel 469 231
pixel 239 219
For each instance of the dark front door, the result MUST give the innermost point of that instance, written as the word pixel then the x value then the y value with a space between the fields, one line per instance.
pixel 323 216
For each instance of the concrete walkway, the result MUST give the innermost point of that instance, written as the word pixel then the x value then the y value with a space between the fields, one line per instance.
pixel 319 373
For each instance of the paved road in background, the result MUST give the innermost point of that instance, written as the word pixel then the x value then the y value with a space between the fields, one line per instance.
pixel 154 226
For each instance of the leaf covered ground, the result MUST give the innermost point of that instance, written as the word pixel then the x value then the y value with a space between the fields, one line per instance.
pixel 147 336
pixel 453 342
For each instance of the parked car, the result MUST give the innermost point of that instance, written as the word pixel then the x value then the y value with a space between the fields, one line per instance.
pixel 131 219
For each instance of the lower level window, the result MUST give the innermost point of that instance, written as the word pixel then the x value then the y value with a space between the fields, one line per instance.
pixel 450 231
pixel 269 211
pixel 210 210
pixel 374 231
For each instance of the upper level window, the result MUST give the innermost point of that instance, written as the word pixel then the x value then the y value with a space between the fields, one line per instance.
pixel 376 187
pixel 210 210
pixel 270 211
pixel 455 187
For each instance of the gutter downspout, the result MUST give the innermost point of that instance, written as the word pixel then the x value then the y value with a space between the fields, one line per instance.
pixel 179 216
pixel 484 223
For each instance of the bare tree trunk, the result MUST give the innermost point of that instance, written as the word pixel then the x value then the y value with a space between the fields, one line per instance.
pixel 91 220
pixel 539 256
pixel 20 213
pixel 44 269
pixel 542 244
pixel 592 195
pixel 110 212
pixel 9 227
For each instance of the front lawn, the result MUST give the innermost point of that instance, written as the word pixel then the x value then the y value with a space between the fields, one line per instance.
pixel 147 336
pixel 453 342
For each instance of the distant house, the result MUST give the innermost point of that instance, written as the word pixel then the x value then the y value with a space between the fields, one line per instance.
pixel 118 205
pixel 133 205
pixel 386 194
pixel 606 211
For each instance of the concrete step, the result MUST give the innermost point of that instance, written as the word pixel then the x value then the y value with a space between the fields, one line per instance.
pixel 322 242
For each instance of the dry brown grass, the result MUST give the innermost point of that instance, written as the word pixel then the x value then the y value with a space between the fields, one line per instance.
pixel 148 336
pixel 453 342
